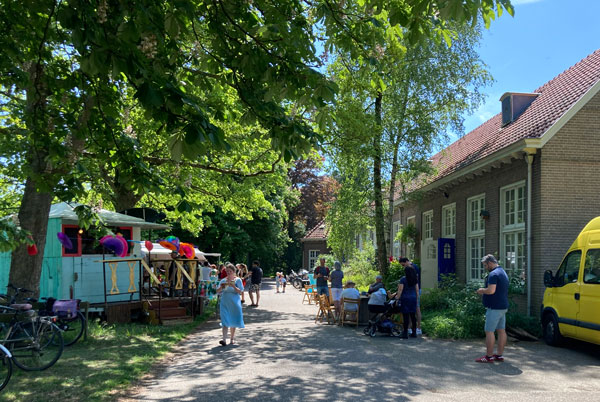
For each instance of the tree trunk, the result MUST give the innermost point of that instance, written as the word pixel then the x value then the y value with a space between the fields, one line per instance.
pixel 25 269
pixel 382 257
pixel 390 211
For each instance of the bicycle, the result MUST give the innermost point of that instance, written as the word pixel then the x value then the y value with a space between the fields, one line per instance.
pixel 34 341
pixel 5 366
pixel 70 323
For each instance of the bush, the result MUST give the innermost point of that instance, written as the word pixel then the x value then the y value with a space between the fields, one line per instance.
pixel 453 304
pixel 391 278
pixel 361 269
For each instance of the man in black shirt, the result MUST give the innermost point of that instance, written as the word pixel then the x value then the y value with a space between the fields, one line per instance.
pixel 256 274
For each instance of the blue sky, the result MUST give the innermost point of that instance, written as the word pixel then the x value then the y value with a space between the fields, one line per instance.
pixel 544 38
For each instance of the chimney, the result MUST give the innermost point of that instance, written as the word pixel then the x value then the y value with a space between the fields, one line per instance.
pixel 514 104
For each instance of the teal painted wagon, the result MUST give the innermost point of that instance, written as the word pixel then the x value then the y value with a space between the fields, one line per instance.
pixel 78 272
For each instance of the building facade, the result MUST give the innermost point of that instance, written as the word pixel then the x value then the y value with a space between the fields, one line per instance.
pixel 520 186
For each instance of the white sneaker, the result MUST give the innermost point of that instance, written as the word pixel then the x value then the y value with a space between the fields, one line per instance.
pixel 410 331
pixel 419 332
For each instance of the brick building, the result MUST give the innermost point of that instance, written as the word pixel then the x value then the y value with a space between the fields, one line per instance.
pixel 521 186
pixel 314 244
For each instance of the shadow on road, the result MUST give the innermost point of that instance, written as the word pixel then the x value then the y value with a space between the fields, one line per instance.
pixel 283 355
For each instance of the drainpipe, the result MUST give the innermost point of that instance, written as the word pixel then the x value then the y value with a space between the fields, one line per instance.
pixel 529 156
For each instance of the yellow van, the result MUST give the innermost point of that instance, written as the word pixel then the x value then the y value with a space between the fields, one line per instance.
pixel 571 305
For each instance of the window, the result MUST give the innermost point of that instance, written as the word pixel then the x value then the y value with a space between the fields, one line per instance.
pixel 410 247
pixel 449 221
pixel 512 226
pixel 86 243
pixel 427 225
pixel 313 256
pixel 569 269
pixel 396 243
pixel 475 237
pixel 72 232
pixel 591 272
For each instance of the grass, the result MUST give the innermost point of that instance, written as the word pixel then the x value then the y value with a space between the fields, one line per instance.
pixel 107 362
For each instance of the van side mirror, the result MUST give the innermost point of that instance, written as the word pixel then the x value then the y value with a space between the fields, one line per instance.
pixel 548 279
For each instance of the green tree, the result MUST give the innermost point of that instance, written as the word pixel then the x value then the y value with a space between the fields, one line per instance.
pixel 396 106
pixel 71 68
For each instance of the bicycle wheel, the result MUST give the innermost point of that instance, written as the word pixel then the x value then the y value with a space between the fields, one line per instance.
pixel 5 368
pixel 72 328
pixel 36 345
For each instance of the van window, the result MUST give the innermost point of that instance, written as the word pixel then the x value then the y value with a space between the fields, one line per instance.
pixel 591 271
pixel 569 269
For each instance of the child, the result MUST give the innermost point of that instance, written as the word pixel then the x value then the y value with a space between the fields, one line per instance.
pixel 283 282
pixel 278 280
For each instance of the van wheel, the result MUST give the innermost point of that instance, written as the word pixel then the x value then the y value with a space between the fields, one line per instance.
pixel 552 334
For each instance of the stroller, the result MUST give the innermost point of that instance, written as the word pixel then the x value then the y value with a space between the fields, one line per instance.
pixel 381 319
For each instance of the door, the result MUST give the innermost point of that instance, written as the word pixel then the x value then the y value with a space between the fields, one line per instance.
pixel 566 293
pixel 446 257
pixel 429 265
pixel 589 317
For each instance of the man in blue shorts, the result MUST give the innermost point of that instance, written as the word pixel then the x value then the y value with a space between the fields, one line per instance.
pixel 495 299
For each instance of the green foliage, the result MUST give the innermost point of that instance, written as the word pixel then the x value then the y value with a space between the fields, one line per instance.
pixel 393 275
pixel 11 235
pixel 408 234
pixel 361 268
pixel 458 306
pixel 453 304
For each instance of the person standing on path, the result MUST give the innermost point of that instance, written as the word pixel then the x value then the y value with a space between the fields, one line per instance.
pixel 408 293
pixel 405 262
pixel 495 300
pixel 256 274
pixel 243 273
pixel 230 289
pixel 337 275
pixel 322 275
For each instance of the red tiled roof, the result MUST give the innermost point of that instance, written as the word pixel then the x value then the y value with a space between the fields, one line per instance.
pixel 556 98
pixel 319 232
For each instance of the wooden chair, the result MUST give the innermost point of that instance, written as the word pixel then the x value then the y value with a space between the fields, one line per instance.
pixel 356 302
pixel 309 293
pixel 325 310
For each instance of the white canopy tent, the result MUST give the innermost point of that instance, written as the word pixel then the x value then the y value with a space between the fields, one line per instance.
pixel 161 253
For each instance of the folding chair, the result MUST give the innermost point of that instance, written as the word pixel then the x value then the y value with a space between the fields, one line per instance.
pixel 309 293
pixel 325 310
pixel 356 302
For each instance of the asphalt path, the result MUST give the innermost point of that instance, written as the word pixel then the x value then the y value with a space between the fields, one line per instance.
pixel 282 355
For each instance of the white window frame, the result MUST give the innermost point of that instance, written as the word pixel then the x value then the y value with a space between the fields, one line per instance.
pixel 396 227
pixel 475 233
pixel 514 228
pixel 410 250
pixel 449 214
pixel 312 260
pixel 427 225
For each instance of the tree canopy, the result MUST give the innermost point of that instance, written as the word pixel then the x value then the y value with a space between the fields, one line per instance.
pixel 167 100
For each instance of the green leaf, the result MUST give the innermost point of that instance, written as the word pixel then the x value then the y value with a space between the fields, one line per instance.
pixel 149 96
pixel 172 25
pixel 176 147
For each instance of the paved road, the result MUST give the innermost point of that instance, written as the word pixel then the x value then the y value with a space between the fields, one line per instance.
pixel 283 355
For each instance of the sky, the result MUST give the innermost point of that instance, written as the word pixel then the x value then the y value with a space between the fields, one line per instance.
pixel 544 38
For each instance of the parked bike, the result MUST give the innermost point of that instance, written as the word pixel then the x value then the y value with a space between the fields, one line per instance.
pixel 298 279
pixel 5 366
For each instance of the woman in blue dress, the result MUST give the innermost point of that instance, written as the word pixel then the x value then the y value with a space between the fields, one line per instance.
pixel 230 288
pixel 408 290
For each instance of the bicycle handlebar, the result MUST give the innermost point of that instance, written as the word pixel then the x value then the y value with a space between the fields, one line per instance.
pixel 19 290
